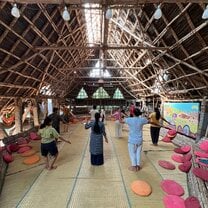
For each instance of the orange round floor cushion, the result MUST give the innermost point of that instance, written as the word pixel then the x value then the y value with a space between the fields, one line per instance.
pixel 31 160
pixel 28 153
pixel 171 187
pixel 141 188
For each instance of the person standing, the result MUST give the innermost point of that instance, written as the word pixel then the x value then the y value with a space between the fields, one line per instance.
pixel 56 118
pixel 131 109
pixel 135 138
pixel 155 119
pixel 102 115
pixel 96 140
pixel 92 112
pixel 48 144
pixel 118 122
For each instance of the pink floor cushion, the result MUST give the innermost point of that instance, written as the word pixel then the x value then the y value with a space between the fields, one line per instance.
pixel 22 140
pixel 204 145
pixel 186 148
pixel 172 188
pixel 166 164
pixel 185 167
pixel 13 147
pixel 202 161
pixel 177 158
pixel 179 150
pixel 23 149
pixel 172 132
pixel 8 158
pixel 201 173
pixel 166 139
pixel 187 157
pixel 201 154
pixel 171 136
pixel 141 188
pixel 171 201
pixel 34 136
pixel 192 202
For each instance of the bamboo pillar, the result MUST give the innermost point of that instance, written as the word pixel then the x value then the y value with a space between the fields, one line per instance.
pixel 35 112
pixel 18 115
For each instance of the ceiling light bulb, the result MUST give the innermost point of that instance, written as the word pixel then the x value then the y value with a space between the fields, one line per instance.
pixel 65 14
pixel 158 13
pixel 15 11
pixel 205 13
pixel 109 14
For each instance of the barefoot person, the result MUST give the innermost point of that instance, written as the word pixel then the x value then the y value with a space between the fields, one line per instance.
pixel 135 139
pixel 96 140
pixel 48 142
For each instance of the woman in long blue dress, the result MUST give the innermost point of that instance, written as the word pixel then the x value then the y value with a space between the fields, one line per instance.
pixel 96 140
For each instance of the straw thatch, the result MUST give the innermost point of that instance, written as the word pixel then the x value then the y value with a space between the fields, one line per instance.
pixel 143 55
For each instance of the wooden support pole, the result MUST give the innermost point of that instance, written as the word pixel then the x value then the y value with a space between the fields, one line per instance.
pixel 35 112
pixel 18 115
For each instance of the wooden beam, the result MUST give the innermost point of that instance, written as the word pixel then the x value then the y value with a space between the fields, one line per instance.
pixel 43 48
pixel 115 2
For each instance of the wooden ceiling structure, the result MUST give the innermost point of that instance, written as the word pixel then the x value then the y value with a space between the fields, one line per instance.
pixel 43 55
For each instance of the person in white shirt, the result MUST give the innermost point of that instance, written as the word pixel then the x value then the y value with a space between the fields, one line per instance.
pixel 92 113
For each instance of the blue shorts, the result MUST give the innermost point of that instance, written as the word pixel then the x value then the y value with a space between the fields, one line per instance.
pixel 49 148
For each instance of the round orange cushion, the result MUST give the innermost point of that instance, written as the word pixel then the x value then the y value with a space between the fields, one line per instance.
pixel 141 188
pixel 31 160
pixel 28 153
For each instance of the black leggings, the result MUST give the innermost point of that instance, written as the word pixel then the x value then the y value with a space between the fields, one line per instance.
pixel 155 132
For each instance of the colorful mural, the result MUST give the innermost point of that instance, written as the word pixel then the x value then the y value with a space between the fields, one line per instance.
pixel 184 117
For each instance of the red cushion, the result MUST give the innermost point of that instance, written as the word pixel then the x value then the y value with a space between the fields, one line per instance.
pixel 192 202
pixel 166 164
pixel 187 157
pixel 171 201
pixel 172 188
pixel 177 158
pixel 166 139
pixel 24 149
pixel 204 145
pixel 201 173
pixel 172 132
pixel 201 154
pixel 22 140
pixel 179 150
pixel 13 147
pixel 185 167
pixel 34 136
pixel 171 136
pixel 186 148
pixel 8 158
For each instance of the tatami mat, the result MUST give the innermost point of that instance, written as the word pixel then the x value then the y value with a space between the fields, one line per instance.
pixel 76 183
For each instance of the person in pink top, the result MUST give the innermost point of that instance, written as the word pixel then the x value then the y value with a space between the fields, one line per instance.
pixel 118 122
pixel 131 110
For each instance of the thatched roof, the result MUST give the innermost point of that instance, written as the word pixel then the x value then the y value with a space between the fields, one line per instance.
pixel 144 56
